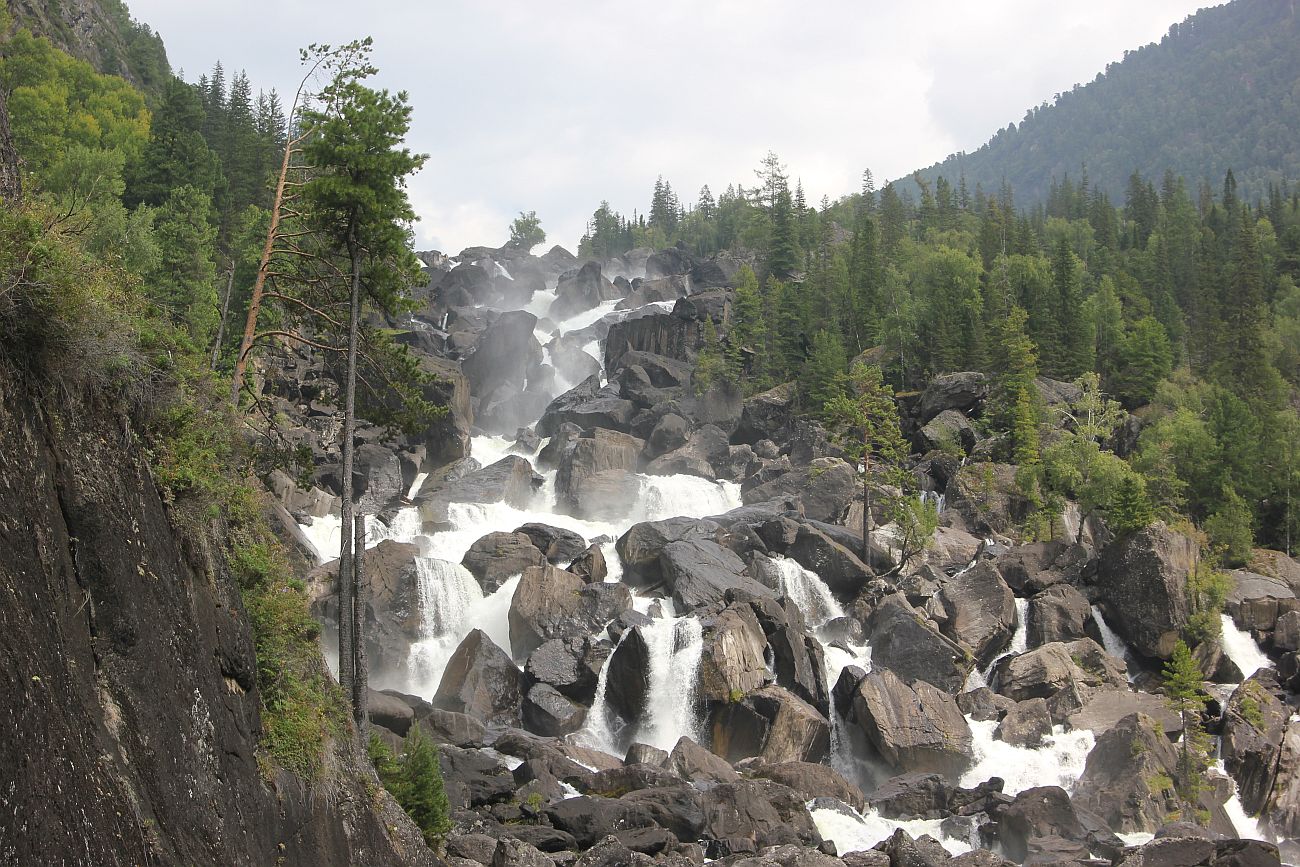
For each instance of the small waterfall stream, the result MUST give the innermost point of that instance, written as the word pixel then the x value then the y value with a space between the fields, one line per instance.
pixel 675 647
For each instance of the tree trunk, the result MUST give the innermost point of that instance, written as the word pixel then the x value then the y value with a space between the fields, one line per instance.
pixel 225 308
pixel 11 179
pixel 347 593
pixel 259 284
pixel 360 594
pixel 867 521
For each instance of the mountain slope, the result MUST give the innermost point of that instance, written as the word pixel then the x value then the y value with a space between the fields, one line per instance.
pixel 102 33
pixel 1219 91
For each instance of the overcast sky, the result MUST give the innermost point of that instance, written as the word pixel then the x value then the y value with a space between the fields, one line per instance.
pixel 553 106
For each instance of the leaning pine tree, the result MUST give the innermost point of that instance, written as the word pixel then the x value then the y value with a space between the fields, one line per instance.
pixel 356 206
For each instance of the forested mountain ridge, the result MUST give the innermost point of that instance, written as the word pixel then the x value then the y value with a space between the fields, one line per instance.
pixel 102 33
pixel 1218 92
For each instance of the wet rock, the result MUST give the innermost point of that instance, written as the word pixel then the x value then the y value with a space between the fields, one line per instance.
pixel 590 565
pixel 607 495
pixel 1033 567
pixel 589 818
pixel 510 480
pixel 983 704
pixel 679 809
pixel 772 723
pixel 644 754
pixel 1142 579
pixel 1076 669
pixel 497 557
pixel 692 762
pixel 560 662
pixel 1042 822
pixel 835 563
pixel 559 545
pixel 550 603
pixel 503 353
pixel 907 644
pixel 1026 724
pixel 914 726
pixel 1106 707
pixel 1254 724
pixel 670 433
pixel 825 487
pixel 963 392
pixel 473 778
pixel 696 457
pixel 981 610
pixel 1058 613
pixel 1256 601
pixel 587 405
pixel 1127 778
pixel 732 662
pixel 595 452
pixel 481 680
pixel 700 572
pixel 546 711
pixel 911 796
pixel 580 290
pixel 666 334
pixel 758 813
pixel 812 781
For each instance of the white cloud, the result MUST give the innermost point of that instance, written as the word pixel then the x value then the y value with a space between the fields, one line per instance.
pixel 555 106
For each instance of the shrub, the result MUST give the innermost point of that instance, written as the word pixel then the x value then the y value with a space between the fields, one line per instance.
pixel 415 780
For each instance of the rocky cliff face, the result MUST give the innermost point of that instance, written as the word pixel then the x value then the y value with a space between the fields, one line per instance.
pixel 128 691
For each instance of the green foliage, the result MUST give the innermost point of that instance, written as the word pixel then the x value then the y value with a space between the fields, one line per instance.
pixel 1229 530
pixel 1129 509
pixel 526 231
pixel 1185 695
pixel 415 780
pixel 823 374
pixel 1207 589
pixel 1018 411
pixel 710 365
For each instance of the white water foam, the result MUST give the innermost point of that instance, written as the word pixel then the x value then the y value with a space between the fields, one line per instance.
pixel 807 591
pixel 1113 644
pixel 675 645
pixel 1018 644
pixel 1242 649
pixel 856 832
pixel 1059 762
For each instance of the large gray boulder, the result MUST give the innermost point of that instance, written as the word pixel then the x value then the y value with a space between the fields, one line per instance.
pixel 834 560
pixel 585 459
pixel 765 415
pixel 587 405
pixel 580 290
pixel 733 660
pixel 1254 725
pixel 1142 579
pixel 503 354
pixel 981 610
pixel 482 681
pixel 1126 778
pixel 963 392
pixel 699 572
pixel 510 480
pixel 1059 613
pixel 498 557
pixel 639 548
pixel 914 726
pixel 772 723
pixel 551 603
pixel 906 643
pixel 825 487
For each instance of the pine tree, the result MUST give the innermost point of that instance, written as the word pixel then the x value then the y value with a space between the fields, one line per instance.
pixel 176 154
pixel 184 282
pixel 1016 400
pixel 1130 510
pixel 820 379
pixel 1186 696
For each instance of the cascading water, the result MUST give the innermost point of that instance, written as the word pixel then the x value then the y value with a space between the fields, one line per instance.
pixel 807 591
pixel 1113 644
pixel 1242 649
pixel 1019 642
pixel 675 644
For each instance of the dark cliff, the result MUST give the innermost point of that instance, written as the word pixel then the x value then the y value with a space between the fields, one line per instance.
pixel 128 688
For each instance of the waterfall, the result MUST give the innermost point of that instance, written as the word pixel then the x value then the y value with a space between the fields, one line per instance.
pixel 416 485
pixel 405 526
pixel 1242 649
pixel 451 604
pixel 675 646
pixel 852 831
pixel 598 732
pixel 937 498
pixel 682 495
pixel 807 591
pixel 1058 762
pixel 1113 644
pixel 1019 643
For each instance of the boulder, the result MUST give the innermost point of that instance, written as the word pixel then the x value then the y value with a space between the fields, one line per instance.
pixel 700 572
pixel 906 643
pixel 748 815
pixel 914 726
pixel 587 405
pixel 679 809
pixel 981 610
pixel 1127 778
pixel 503 354
pixel 813 781
pixel 911 796
pixel 510 480
pixel 834 561
pixel 1066 675
pixel 550 603
pixel 764 416
pixel 666 334
pixel 1256 601
pixel 562 663
pixel 670 433
pixel 667 263
pixel 560 546
pixel 1106 707
pixel 580 290
pixel 1035 566
pixel 772 723
pixel 1039 815
pixel 987 498
pixel 696 457
pixel 948 431
pixel 1059 613
pixel 1026 724
pixel 639 548
pixel 1142 579
pixel 377 477
pixel 590 565
pixel 607 495
pixel 463 286
pixel 825 487
pixel 732 662
pixel 1254 724
pixel 546 711
pixel 963 392
pixel 495 558
pixel 694 763
pixel 481 680
pixel 594 452
pixel 589 818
